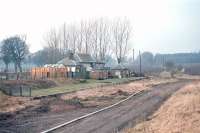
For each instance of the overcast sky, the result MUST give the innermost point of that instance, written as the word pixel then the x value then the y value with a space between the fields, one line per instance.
pixel 163 26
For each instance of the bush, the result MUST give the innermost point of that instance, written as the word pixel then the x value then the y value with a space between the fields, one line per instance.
pixel 42 109
pixel 75 101
pixel 83 80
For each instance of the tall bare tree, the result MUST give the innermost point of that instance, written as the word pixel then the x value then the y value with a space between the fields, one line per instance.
pixel 73 37
pixel 104 39
pixel 121 31
pixel 52 41
pixel 101 38
pixel 95 41
pixel 65 39
pixel 87 35
pixel 80 37
pixel 97 37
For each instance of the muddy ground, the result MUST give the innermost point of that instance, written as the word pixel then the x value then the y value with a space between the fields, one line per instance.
pixel 52 111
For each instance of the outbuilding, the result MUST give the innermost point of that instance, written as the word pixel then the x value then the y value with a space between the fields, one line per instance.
pixel 120 71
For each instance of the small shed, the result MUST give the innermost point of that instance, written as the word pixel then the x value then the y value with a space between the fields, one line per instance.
pixel 120 71
pixel 101 73
pixel 75 68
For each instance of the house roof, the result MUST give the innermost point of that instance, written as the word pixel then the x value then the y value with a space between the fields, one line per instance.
pixel 54 65
pixel 74 59
pixel 119 67
pixel 68 62
pixel 85 58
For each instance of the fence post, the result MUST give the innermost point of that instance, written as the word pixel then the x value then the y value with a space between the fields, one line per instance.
pixel 35 74
pixel 30 89
pixel 10 92
pixel 20 90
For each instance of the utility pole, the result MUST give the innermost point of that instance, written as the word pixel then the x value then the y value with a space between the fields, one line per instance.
pixel 163 62
pixel 133 61
pixel 140 63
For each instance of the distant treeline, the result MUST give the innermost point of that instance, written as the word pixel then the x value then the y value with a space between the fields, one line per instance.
pixel 160 59
pixel 157 63
pixel 178 58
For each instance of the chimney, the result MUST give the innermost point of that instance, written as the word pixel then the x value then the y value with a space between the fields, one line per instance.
pixel 71 55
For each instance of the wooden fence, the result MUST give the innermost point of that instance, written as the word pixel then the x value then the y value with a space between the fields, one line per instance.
pixel 39 73
pixel 51 73
pixel 99 74
pixel 44 73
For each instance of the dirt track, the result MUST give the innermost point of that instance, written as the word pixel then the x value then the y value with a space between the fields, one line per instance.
pixel 127 114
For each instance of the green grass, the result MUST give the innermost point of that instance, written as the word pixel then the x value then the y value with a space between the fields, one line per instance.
pixel 76 86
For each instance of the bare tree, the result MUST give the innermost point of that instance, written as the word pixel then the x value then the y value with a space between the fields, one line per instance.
pixel 101 39
pixel 121 31
pixel 104 39
pixel 73 37
pixel 80 37
pixel 97 37
pixel 65 39
pixel 87 35
pixel 52 40
pixel 95 41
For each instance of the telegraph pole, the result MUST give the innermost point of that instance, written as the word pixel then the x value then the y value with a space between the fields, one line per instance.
pixel 140 63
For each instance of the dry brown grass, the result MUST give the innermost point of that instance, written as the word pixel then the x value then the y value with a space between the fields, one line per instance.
pixel 186 76
pixel 12 104
pixel 179 114
pixel 110 90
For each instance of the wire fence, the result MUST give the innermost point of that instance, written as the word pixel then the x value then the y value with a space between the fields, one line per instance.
pixel 18 91
pixel 15 76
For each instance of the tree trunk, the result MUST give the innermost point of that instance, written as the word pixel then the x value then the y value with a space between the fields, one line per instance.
pixel 15 67
pixel 6 71
pixel 20 67
pixel 118 60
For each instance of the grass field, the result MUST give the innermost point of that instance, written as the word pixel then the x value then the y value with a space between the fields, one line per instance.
pixel 77 86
